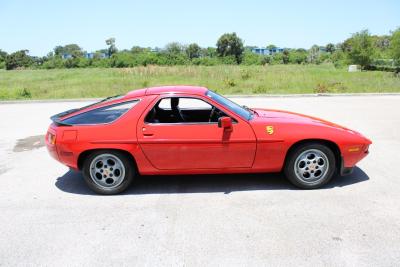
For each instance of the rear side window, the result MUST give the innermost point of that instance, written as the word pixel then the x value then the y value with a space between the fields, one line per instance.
pixel 101 115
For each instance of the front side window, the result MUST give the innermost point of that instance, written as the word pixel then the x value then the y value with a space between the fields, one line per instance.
pixel 101 115
pixel 183 110
pixel 241 111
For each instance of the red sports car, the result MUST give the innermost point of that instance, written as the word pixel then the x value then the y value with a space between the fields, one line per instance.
pixel 193 130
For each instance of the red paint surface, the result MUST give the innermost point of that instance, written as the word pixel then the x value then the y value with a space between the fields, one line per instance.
pixel 201 148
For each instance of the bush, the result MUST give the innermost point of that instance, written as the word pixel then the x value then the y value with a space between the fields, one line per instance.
pixel 321 88
pixel 383 68
pixel 339 59
pixel 25 93
pixel 331 87
pixel 19 59
pixel 84 62
pixel 251 58
pixel 260 90
pixel 228 60
pixel 229 82
pixel 177 59
pixel 101 63
pixel 277 59
pixel 53 63
pixel 127 59
pixel 266 60
pixel 122 60
pixel 297 57
pixel 206 61
pixel 71 63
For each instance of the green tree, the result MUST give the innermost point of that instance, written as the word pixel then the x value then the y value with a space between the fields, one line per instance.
pixel 314 55
pixel 271 46
pixel 112 49
pixel 3 56
pixel 250 58
pixel 173 48
pixel 381 42
pixel 137 49
pixel 19 59
pixel 71 49
pixel 345 46
pixel 298 56
pixel 330 48
pixel 277 58
pixel 208 52
pixel 395 46
pixel 193 51
pixel 338 58
pixel 285 56
pixel 361 49
pixel 229 44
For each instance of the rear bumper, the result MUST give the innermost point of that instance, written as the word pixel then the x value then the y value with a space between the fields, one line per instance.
pixel 60 149
pixel 53 152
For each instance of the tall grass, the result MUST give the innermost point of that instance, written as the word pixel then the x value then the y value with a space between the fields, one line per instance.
pixel 226 79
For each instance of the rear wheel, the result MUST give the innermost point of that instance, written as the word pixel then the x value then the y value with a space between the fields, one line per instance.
pixel 108 172
pixel 310 165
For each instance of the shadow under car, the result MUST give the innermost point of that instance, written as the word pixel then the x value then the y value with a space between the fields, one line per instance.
pixel 73 182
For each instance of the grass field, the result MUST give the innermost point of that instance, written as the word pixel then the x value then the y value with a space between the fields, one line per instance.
pixel 276 79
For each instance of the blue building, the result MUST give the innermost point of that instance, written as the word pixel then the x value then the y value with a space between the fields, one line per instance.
pixel 90 55
pixel 66 56
pixel 266 51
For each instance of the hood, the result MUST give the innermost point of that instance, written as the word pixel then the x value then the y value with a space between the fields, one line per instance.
pixel 294 117
pixel 295 125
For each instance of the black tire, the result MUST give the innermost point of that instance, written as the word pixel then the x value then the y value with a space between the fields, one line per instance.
pixel 123 180
pixel 300 180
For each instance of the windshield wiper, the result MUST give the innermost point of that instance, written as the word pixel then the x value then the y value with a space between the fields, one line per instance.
pixel 249 109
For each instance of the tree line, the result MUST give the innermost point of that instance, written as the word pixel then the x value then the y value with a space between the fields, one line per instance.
pixel 362 48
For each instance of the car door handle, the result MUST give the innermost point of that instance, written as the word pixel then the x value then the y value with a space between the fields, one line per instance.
pixel 146 133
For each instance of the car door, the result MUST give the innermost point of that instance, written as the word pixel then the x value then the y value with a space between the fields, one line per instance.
pixel 196 145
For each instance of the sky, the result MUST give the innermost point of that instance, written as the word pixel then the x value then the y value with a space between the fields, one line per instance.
pixel 41 25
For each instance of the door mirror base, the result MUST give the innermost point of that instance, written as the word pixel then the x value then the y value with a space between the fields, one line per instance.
pixel 225 123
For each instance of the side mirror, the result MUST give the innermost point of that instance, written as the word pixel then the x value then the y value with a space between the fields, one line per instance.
pixel 225 123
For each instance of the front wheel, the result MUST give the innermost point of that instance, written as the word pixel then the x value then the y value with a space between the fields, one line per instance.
pixel 310 165
pixel 108 172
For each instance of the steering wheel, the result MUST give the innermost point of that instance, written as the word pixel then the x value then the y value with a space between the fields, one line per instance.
pixel 213 112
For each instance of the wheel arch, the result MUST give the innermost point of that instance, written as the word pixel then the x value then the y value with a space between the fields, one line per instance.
pixel 330 144
pixel 82 156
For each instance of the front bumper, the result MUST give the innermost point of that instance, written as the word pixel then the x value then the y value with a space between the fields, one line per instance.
pixel 345 170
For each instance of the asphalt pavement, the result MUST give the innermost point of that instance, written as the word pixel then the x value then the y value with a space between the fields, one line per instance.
pixel 48 217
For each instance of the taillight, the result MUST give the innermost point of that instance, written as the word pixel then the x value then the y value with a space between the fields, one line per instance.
pixel 51 138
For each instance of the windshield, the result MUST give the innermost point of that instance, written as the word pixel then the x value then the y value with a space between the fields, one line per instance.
pixel 241 111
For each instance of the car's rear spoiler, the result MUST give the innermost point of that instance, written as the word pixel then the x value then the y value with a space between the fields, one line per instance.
pixel 56 118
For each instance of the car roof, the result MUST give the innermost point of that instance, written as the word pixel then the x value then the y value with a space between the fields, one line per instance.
pixel 176 89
